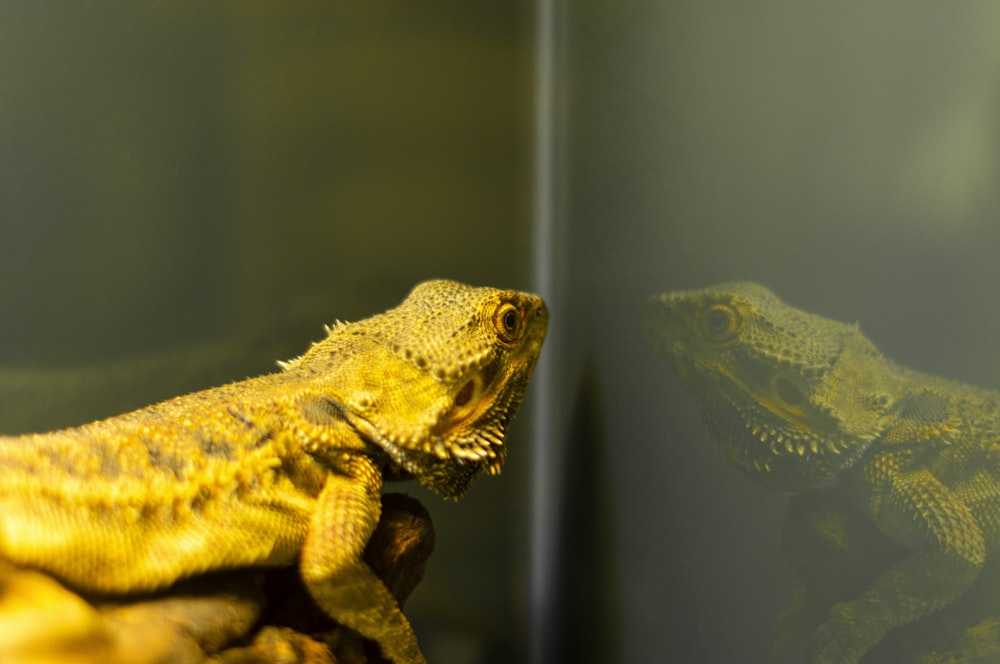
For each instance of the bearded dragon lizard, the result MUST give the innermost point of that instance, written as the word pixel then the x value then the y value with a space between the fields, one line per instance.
pixel 283 467
pixel 799 401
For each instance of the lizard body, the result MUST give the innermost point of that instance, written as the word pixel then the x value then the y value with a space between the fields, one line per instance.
pixel 284 466
pixel 798 401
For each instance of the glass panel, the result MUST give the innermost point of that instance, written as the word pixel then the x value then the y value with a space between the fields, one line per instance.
pixel 845 156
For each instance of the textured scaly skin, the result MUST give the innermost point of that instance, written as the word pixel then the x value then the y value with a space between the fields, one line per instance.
pixel 798 401
pixel 284 466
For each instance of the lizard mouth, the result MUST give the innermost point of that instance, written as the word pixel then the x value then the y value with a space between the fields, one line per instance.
pixel 475 431
pixel 756 408
pixel 778 441
pixel 779 453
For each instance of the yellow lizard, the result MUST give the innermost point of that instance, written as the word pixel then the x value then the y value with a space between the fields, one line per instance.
pixel 284 467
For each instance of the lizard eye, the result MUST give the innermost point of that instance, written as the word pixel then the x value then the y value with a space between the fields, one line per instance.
pixel 508 322
pixel 719 322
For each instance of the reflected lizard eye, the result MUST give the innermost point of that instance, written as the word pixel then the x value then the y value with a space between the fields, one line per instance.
pixel 719 322
pixel 508 322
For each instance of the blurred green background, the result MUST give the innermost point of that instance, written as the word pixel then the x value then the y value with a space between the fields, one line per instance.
pixel 845 155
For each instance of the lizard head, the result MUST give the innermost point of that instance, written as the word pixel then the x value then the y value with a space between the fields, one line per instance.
pixel 793 398
pixel 436 381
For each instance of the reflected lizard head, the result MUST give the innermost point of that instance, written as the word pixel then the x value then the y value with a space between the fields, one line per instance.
pixel 778 387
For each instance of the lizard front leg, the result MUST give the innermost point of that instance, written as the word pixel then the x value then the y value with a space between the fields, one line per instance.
pixel 836 552
pixel 914 508
pixel 347 511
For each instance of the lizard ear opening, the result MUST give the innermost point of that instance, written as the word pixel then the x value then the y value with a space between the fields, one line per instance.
pixel 465 404
pixel 788 391
pixel 465 394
